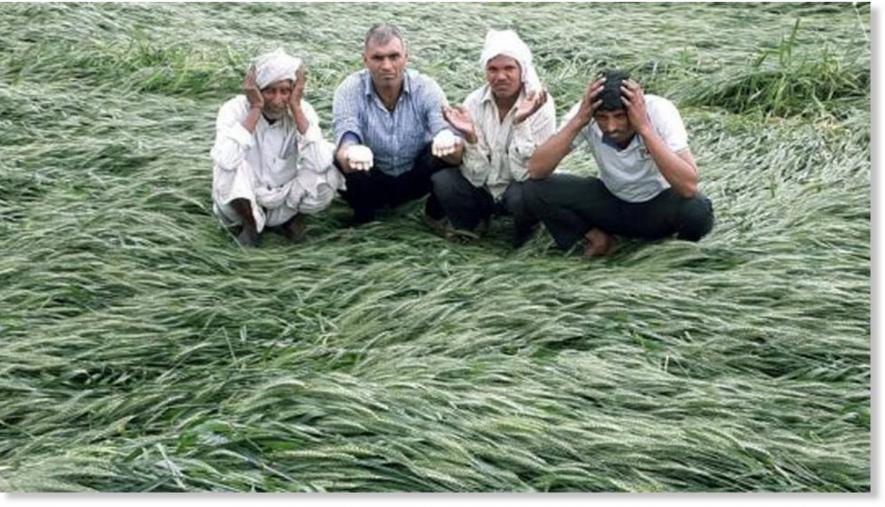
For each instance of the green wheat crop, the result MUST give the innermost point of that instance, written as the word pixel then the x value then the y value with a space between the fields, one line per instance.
pixel 142 350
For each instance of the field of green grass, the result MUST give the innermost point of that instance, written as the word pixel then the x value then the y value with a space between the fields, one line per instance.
pixel 141 349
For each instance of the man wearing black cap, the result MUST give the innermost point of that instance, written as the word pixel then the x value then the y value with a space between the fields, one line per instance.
pixel 648 180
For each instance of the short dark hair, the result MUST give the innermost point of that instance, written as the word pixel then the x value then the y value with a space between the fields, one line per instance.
pixel 382 33
pixel 611 91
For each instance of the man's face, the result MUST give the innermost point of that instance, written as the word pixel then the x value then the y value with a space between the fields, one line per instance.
pixel 276 98
pixel 615 125
pixel 386 62
pixel 504 76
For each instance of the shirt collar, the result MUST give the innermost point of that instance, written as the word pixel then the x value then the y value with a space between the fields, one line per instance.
pixel 369 90
pixel 635 143
pixel 489 97
pixel 486 94
pixel 280 123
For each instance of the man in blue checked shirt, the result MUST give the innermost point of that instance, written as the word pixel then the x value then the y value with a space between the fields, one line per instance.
pixel 390 132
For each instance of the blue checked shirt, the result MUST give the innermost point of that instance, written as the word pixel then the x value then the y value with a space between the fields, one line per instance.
pixel 395 138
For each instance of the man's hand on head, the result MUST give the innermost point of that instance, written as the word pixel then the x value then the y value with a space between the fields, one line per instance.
pixel 591 101
pixel 634 100
pixel 251 90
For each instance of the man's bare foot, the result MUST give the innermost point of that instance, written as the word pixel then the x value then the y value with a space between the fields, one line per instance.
pixel 248 237
pixel 294 229
pixel 599 243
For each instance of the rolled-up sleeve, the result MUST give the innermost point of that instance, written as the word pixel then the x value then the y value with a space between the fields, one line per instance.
pixel 345 108
pixel 668 123
pixel 527 136
pixel 232 140
pixel 315 152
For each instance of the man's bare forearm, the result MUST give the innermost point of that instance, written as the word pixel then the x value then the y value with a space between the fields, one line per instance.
pixel 679 173
pixel 301 121
pixel 251 119
pixel 341 157
pixel 547 156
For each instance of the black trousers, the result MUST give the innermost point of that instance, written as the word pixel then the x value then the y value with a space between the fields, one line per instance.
pixel 569 206
pixel 466 205
pixel 368 191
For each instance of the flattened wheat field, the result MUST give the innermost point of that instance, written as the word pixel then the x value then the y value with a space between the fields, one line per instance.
pixel 141 349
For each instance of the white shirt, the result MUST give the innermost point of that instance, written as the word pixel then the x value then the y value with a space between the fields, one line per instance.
pixel 502 150
pixel 631 174
pixel 275 152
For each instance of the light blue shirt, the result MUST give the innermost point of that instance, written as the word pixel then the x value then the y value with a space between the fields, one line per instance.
pixel 396 137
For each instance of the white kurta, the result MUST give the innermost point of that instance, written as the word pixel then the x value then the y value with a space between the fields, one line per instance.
pixel 278 170
pixel 502 151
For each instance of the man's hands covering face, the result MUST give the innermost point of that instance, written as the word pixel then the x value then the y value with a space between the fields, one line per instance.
pixel 250 89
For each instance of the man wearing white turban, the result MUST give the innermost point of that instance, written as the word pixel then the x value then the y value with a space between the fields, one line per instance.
pixel 272 165
pixel 502 123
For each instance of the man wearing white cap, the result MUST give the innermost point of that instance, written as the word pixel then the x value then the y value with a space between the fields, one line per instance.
pixel 272 165
pixel 502 122
pixel 389 129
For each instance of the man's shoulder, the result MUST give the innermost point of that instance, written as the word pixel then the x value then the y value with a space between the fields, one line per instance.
pixel 418 77
pixel 475 97
pixel 236 105
pixel 421 82
pixel 660 105
pixel 353 83
pixel 307 107
pixel 549 107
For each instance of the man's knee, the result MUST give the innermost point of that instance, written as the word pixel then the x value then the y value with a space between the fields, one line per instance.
pixel 357 186
pixel 696 219
pixel 313 205
pixel 446 182
pixel 515 200
pixel 535 194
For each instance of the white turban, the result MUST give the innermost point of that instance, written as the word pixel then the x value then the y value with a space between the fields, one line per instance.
pixel 507 43
pixel 275 66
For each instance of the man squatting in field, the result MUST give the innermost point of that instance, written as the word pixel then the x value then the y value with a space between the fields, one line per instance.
pixel 502 122
pixel 385 118
pixel 272 165
pixel 648 180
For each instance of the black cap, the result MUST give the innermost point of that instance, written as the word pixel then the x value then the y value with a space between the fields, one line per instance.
pixel 611 91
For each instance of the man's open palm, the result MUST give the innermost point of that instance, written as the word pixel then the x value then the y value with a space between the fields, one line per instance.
pixel 530 105
pixel 459 117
